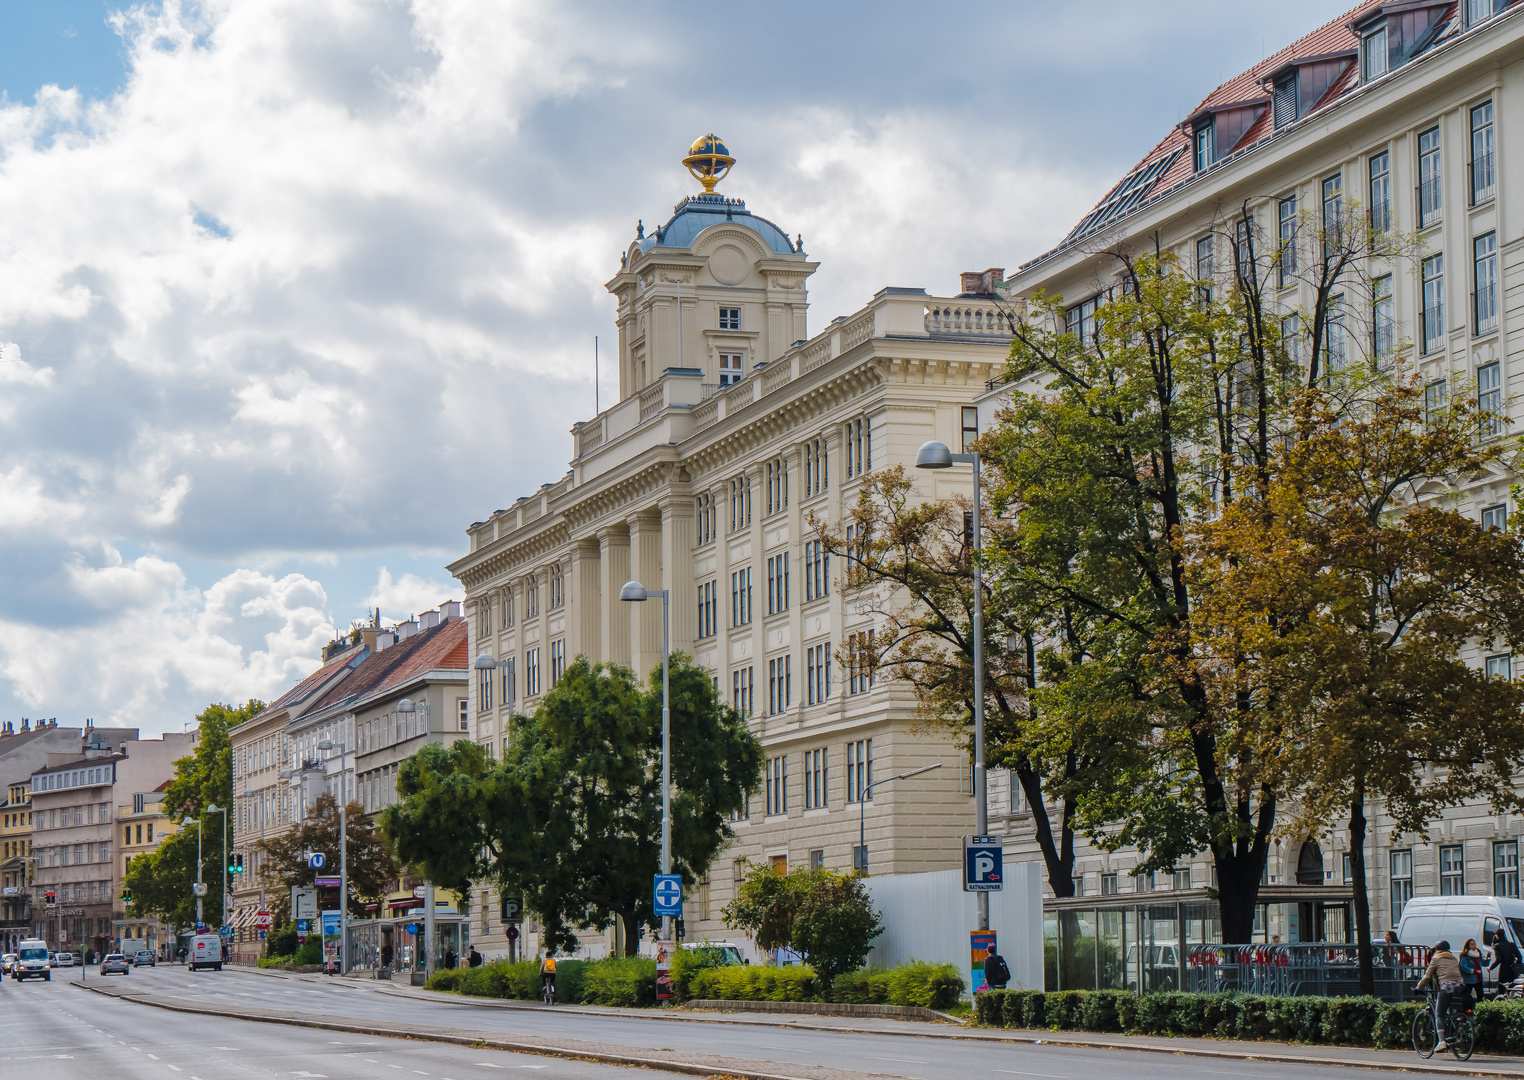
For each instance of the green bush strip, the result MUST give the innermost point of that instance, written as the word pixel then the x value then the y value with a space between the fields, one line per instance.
pixel 1359 1021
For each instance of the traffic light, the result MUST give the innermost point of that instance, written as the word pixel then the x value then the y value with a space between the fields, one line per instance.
pixel 126 896
pixel 52 897
pixel 235 863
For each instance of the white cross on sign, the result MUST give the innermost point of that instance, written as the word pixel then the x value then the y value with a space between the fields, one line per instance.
pixel 669 894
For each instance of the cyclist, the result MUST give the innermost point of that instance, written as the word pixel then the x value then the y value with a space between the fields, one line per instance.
pixel 548 976
pixel 1444 971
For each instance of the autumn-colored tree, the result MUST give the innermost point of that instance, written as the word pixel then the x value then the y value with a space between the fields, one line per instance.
pixel 1361 596
pixel 371 870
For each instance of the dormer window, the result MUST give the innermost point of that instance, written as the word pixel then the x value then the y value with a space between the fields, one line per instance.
pixel 1285 99
pixel 1479 11
pixel 1373 53
pixel 1203 144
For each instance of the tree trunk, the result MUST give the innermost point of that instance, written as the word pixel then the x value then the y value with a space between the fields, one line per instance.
pixel 1362 897
pixel 1057 855
pixel 631 932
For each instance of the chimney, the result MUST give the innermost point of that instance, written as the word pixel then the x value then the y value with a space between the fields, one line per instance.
pixel 450 609
pixel 407 629
pixel 428 619
pixel 368 637
pixel 385 640
pixel 982 283
pixel 26 723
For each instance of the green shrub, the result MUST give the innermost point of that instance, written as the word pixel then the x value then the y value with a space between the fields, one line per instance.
pixel 1127 1010
pixel 274 961
pixel 1351 1021
pixel 1249 1019
pixel 1062 1009
pixel 311 951
pixel 856 988
pixel 1013 1008
pixel 1099 1011
pixel 1500 1027
pixel 753 983
pixel 281 941
pixel 1394 1028
pixel 444 981
pixel 686 963
pixel 619 980
pixel 989 1005
pixel 930 986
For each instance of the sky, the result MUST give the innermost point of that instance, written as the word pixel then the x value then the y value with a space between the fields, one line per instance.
pixel 292 291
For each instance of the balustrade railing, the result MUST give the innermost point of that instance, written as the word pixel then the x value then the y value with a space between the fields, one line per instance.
pixel 967 319
pixel 651 400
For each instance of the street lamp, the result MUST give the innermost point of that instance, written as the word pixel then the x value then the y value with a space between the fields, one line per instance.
pixel 936 455
pixel 200 889
pixel 636 593
pixel 862 808
pixel 327 744
pixel 213 808
pixel 407 707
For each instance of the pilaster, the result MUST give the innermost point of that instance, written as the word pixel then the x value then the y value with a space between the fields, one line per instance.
pixel 613 572
pixel 645 567
pixel 584 603
pixel 677 568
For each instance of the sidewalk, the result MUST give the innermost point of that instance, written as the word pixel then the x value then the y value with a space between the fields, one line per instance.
pixel 1481 1065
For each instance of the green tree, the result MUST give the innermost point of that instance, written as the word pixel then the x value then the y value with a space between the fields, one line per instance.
pixel 370 867
pixel 826 917
pixel 570 818
pixel 160 881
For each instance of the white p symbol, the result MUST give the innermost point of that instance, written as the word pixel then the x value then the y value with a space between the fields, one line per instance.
pixel 983 865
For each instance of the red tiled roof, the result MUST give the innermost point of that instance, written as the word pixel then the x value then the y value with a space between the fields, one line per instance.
pixel 292 699
pixel 1333 39
pixel 441 646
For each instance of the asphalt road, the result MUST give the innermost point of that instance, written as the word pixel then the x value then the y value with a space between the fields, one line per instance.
pixel 63 1032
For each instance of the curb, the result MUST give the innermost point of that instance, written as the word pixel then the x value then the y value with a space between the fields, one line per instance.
pixel 820 1008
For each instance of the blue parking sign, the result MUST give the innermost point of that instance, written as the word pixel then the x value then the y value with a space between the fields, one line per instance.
pixel 668 895
pixel 983 864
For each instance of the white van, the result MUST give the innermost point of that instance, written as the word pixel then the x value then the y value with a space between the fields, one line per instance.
pixel 1427 919
pixel 32 961
pixel 206 952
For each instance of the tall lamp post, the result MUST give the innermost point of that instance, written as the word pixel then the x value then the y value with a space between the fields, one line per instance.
pixel 407 708
pixel 636 593
pixel 862 808
pixel 200 889
pixel 213 808
pixel 328 744
pixel 936 455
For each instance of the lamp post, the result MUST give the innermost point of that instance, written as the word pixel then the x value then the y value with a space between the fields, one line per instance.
pixel 328 744
pixel 862 808
pixel 213 808
pixel 407 708
pixel 936 455
pixel 200 889
pixel 636 593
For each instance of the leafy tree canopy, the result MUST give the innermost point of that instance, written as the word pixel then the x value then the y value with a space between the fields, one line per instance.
pixel 371 869
pixel 826 917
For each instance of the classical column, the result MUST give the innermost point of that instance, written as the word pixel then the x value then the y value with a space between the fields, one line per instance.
pixel 584 603
pixel 613 572
pixel 645 619
pixel 677 568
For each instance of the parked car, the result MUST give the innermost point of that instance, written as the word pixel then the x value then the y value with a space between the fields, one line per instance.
pixel 63 959
pixel 115 964
pixel 1427 919
pixel 7 961
pixel 144 956
pixel 206 952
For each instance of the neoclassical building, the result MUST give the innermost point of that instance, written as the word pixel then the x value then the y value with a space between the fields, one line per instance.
pixel 734 423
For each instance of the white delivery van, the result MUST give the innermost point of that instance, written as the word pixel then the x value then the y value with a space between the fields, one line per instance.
pixel 206 952
pixel 32 961
pixel 1427 919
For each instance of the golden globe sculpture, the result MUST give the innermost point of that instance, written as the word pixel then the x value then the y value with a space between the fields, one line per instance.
pixel 708 161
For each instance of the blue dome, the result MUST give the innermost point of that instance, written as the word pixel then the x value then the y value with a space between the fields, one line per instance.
pixel 697 212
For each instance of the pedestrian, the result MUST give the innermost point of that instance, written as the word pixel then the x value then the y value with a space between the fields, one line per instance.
pixel 996 974
pixel 1471 961
pixel 1444 972
pixel 1506 958
pixel 450 958
pixel 386 956
pixel 475 959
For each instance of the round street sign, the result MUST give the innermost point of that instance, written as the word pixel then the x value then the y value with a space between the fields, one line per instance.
pixel 412 928
pixel 420 891
pixel 513 933
pixel 316 860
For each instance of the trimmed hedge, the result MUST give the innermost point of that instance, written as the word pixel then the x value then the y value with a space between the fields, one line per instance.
pixel 755 983
pixel 1358 1021
pixel 930 986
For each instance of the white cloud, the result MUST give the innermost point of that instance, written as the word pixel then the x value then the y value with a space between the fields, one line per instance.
pixel 402 598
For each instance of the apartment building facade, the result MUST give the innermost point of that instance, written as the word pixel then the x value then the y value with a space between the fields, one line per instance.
pixel 142 823
pixel 1396 111
pixel 734 429
pixel 15 865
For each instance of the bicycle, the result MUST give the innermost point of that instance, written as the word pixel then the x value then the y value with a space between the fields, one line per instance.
pixel 1460 1038
pixel 548 990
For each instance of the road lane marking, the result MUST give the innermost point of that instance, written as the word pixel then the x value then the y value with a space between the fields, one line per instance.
pixel 174 1067
pixel 911 1061
pixel 1018 1072
pixel 154 1056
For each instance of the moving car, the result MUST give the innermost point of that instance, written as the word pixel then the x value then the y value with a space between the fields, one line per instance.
pixel 7 961
pixel 32 961
pixel 206 952
pixel 115 964
pixel 144 956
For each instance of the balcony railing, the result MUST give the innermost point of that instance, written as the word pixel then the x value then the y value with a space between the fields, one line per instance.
pixel 1482 177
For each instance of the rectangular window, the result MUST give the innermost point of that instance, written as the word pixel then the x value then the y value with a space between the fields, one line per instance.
pixel 777 485
pixel 817 780
pixel 1291 338
pixel 859 770
pixel 1500 666
pixel 1382 328
pixel 708 623
pixel 463 715
pixel 1243 249
pixel 531 597
pixel 508 608
pixel 1203 146
pixel 1286 263
pixel 1284 103
pixel 730 318
pixel 817 570
pixel 1080 320
pixel 1182 877
pixel 1381 192
pixel 531 672
pixel 1483 172
pixel 557 587
pixel 1333 213
pixel 862 662
pixel 740 597
pixel 970 428
pixel 817 673
pixel 510 684
pixel 1433 276
pixel 816 474
pixel 741 695
pixel 1435 398
pixel 777 785
pixel 1373 56
pixel 1108 885
pixel 730 368
pixel 1204 268
pixel 777 583
pixel 817 859
pixel 1335 340
pixel 1489 399
pixel 483 618
pixel 1505 868
pixel 740 503
pixel 1402 882
pixel 1429 192
pixel 557 660
pixel 780 684
pixel 1479 11
pixel 703 519
pixel 857 446
pixel 1484 250
pixel 1495 518
pixel 484 689
pixel 1452 870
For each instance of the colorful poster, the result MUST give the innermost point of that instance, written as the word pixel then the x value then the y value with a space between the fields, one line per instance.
pixel 979 942
pixel 664 950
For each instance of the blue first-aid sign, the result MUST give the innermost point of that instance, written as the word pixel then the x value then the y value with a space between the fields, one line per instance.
pixel 983 864
pixel 669 895
pixel 316 860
